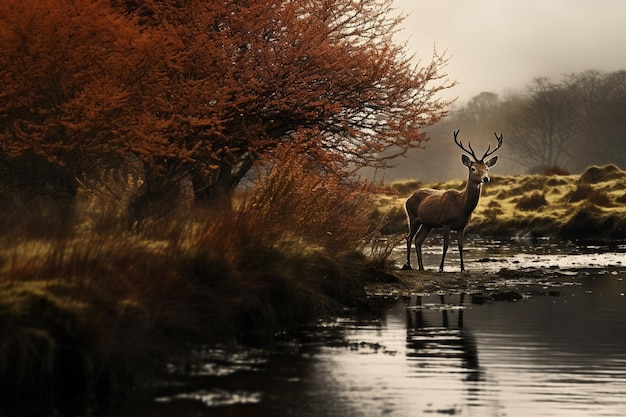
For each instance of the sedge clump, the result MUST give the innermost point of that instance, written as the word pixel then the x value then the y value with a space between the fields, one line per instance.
pixel 531 202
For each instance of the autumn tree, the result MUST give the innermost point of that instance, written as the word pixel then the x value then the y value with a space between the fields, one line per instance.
pixel 204 89
pixel 71 71
pixel 324 75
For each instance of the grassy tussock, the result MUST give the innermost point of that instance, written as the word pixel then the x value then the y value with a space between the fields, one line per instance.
pixel 530 202
pixel 585 206
pixel 96 307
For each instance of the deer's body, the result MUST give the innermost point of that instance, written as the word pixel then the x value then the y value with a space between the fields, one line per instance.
pixel 429 209
pixel 436 208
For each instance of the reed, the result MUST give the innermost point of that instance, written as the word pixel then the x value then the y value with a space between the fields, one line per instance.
pixel 98 305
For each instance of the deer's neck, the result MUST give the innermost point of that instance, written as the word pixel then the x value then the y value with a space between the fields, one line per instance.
pixel 471 195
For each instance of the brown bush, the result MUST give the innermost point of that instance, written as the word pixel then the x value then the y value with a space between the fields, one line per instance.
pixel 600 198
pixel 406 188
pixel 394 220
pixel 595 174
pixel 555 170
pixel 529 202
pixel 295 201
pixel 589 222
pixel 585 191
pixel 493 210
pixel 580 193
pixel 621 199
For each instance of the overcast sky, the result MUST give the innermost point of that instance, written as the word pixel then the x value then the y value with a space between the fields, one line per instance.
pixel 500 45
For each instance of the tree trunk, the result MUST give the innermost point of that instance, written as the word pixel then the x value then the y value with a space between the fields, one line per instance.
pixel 36 196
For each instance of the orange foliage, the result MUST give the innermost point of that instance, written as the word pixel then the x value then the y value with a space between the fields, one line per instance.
pixel 207 88
pixel 65 63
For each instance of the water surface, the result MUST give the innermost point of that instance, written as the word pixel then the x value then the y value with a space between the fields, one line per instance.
pixel 559 351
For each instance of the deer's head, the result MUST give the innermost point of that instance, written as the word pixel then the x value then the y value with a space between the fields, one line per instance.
pixel 478 168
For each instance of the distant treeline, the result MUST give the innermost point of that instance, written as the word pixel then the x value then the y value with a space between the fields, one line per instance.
pixel 567 125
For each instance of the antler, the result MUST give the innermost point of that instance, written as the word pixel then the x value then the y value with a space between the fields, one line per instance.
pixel 499 138
pixel 460 145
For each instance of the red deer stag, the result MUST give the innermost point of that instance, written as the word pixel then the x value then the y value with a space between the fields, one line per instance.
pixel 428 209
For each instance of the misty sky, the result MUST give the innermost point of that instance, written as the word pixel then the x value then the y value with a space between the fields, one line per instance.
pixel 500 45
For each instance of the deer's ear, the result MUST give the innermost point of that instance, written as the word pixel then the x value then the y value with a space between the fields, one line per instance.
pixel 492 161
pixel 466 161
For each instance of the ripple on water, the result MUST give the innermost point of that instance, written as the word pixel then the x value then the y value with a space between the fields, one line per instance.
pixel 557 353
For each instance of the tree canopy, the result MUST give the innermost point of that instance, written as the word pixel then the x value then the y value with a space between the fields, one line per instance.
pixel 204 88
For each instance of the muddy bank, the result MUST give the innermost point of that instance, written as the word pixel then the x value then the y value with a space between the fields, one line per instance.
pixel 504 284
pixel 84 322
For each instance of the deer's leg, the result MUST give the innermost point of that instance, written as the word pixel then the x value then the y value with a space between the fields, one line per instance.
pixel 446 242
pixel 414 226
pixel 422 234
pixel 460 236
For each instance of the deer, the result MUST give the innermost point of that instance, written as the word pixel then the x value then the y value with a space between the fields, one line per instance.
pixel 429 209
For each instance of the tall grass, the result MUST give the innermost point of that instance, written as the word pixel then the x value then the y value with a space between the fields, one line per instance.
pixel 97 307
pixel 292 200
pixel 294 244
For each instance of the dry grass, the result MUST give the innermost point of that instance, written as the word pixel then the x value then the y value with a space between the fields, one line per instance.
pixel 116 303
pixel 589 205
pixel 530 202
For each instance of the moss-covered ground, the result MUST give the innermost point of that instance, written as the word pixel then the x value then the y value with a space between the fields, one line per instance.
pixel 591 205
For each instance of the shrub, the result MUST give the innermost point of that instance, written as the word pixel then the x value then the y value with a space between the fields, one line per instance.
pixel 621 199
pixel 585 191
pixel 394 220
pixel 580 193
pixel 600 198
pixel 595 174
pixel 524 185
pixel 555 170
pixel 405 188
pixel 590 223
pixel 493 210
pixel 529 202
pixel 555 181
pixel 293 200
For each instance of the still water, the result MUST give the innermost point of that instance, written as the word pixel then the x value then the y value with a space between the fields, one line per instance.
pixel 558 351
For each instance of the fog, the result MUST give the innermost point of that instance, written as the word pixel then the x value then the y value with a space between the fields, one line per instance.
pixel 500 45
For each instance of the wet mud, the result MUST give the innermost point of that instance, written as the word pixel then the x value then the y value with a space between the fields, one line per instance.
pixel 496 266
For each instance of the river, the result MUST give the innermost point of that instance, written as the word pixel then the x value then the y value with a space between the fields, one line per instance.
pixel 557 351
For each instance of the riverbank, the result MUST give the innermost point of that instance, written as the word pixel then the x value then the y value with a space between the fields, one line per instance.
pixel 82 320
pixel 423 353
pixel 88 313
pixel 505 284
pixel 90 309
pixel 94 318
pixel 499 268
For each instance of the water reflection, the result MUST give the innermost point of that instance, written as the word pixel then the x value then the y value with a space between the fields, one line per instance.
pixel 443 350
pixel 429 344
pixel 487 254
pixel 557 354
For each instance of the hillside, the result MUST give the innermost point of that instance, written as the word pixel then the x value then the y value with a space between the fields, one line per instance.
pixel 591 205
